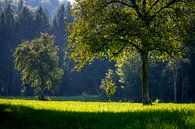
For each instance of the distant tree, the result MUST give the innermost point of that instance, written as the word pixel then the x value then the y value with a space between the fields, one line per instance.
pixel 20 6
pixel 7 3
pixel 7 48
pixel 9 22
pixel 60 21
pixel 128 70
pixel 108 84
pixel 37 60
pixel 2 28
pixel 116 28
pixel 59 30
pixel 25 25
pixel 68 15
pixel 41 21
pixel 1 8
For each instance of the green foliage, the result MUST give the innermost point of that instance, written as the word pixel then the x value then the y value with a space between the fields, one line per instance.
pixel 94 115
pixel 108 84
pixel 116 29
pixel 37 60
pixel 128 70
pixel 104 28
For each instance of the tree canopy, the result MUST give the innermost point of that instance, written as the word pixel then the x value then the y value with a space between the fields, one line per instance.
pixel 37 60
pixel 116 28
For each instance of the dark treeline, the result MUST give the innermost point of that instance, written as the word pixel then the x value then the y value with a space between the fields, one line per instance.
pixel 27 24
pixel 168 81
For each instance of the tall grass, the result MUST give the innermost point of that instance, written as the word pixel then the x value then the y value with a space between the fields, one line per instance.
pixel 32 114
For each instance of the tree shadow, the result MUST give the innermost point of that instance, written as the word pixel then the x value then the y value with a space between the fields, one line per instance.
pixel 21 117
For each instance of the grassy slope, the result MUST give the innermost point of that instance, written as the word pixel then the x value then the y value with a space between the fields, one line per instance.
pixel 32 114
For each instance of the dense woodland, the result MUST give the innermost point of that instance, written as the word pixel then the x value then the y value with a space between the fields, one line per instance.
pixel 168 81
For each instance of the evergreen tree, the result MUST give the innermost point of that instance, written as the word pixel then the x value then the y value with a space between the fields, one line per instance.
pixel 1 8
pixel 7 34
pixel 59 26
pixel 68 15
pixel 20 6
pixel 25 28
pixel 9 22
pixel 60 21
pixel 41 21
pixel 58 29
pixel 2 28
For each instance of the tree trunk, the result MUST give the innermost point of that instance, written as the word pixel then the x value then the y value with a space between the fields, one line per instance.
pixel 175 91
pixel 41 92
pixel 41 95
pixel 175 77
pixel 145 92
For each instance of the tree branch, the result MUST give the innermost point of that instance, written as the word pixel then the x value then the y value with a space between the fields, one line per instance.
pixel 156 2
pixel 119 2
pixel 164 7
pixel 137 9
pixel 120 50
pixel 102 46
pixel 144 6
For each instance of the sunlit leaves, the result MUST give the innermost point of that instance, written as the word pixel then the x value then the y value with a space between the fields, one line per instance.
pixel 103 29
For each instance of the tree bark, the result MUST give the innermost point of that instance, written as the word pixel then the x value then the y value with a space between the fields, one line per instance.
pixel 145 91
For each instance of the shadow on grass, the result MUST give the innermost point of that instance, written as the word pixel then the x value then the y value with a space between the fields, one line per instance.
pixel 20 117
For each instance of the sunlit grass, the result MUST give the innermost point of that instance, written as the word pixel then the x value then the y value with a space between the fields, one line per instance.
pixel 97 106
pixel 34 114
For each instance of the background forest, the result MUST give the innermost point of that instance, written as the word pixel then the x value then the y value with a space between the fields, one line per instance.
pixel 27 19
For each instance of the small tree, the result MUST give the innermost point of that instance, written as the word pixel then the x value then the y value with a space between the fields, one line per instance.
pixel 38 60
pixel 108 84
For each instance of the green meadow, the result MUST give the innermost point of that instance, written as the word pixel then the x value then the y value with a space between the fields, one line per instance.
pixel 34 114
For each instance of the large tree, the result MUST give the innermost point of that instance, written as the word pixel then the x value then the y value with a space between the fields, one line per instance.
pixel 37 60
pixel 116 28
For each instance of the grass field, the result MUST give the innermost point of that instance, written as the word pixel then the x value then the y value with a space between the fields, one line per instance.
pixel 90 98
pixel 34 114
